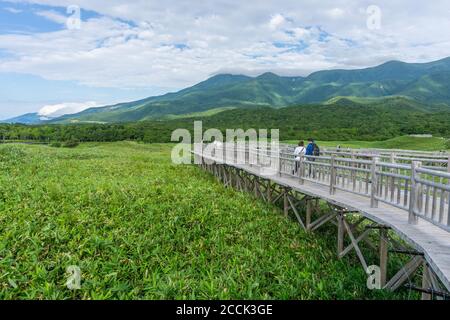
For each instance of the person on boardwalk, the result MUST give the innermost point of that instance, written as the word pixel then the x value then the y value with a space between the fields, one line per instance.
pixel 312 151
pixel 299 152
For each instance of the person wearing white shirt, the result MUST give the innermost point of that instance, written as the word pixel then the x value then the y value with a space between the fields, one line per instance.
pixel 299 152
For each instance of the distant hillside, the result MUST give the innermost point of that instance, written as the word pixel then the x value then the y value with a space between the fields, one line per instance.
pixel 428 83
pixel 342 120
pixel 29 118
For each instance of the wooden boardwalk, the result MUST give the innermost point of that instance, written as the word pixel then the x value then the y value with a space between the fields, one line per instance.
pixel 425 237
pixel 430 240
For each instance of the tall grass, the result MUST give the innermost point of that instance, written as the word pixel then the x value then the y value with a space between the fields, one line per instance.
pixel 142 228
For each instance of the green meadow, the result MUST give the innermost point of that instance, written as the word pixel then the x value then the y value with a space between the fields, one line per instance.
pixel 140 227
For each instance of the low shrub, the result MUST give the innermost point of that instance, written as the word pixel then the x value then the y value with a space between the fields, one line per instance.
pixel 447 144
pixel 71 144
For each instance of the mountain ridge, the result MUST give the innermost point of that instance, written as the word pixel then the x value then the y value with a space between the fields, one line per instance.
pixel 427 83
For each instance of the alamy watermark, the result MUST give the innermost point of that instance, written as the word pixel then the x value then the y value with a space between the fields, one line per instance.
pixel 374 16
pixel 74 278
pixel 235 146
pixel 374 278
pixel 73 21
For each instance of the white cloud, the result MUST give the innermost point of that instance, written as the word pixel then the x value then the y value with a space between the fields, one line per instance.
pixel 57 110
pixel 178 43
pixel 301 33
pixel 335 12
pixel 52 16
pixel 276 21
pixel 13 10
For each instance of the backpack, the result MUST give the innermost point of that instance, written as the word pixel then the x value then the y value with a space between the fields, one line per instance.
pixel 316 150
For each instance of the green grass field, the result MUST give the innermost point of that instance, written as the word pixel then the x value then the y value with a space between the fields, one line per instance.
pixel 406 142
pixel 142 228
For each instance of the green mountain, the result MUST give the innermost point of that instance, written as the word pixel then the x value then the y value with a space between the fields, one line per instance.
pixel 29 118
pixel 369 119
pixel 426 82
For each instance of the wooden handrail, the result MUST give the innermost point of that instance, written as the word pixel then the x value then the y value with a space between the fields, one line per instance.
pixel 410 187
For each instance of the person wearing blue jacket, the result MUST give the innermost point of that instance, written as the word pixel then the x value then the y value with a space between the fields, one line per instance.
pixel 311 151
pixel 310 148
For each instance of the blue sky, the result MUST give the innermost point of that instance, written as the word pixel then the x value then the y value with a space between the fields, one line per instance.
pixel 21 18
pixel 23 92
pixel 127 50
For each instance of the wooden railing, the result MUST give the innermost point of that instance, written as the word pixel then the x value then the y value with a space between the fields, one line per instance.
pixel 434 193
pixel 422 192
pixel 388 152
pixel 439 161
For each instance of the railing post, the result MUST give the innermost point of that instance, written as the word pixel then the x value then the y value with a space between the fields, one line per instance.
pixel 353 165
pixel 374 190
pixel 393 156
pixel 413 219
pixel 448 164
pixel 280 155
pixel 332 176
pixel 301 169
pixel 246 155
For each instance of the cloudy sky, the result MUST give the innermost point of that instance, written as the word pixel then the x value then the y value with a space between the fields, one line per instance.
pixel 121 50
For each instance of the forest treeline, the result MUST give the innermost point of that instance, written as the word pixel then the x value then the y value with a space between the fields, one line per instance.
pixel 324 122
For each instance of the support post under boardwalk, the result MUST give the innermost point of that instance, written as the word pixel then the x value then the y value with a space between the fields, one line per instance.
pixel 286 202
pixel 426 281
pixel 289 189
pixel 383 256
pixel 341 233
pixel 308 213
